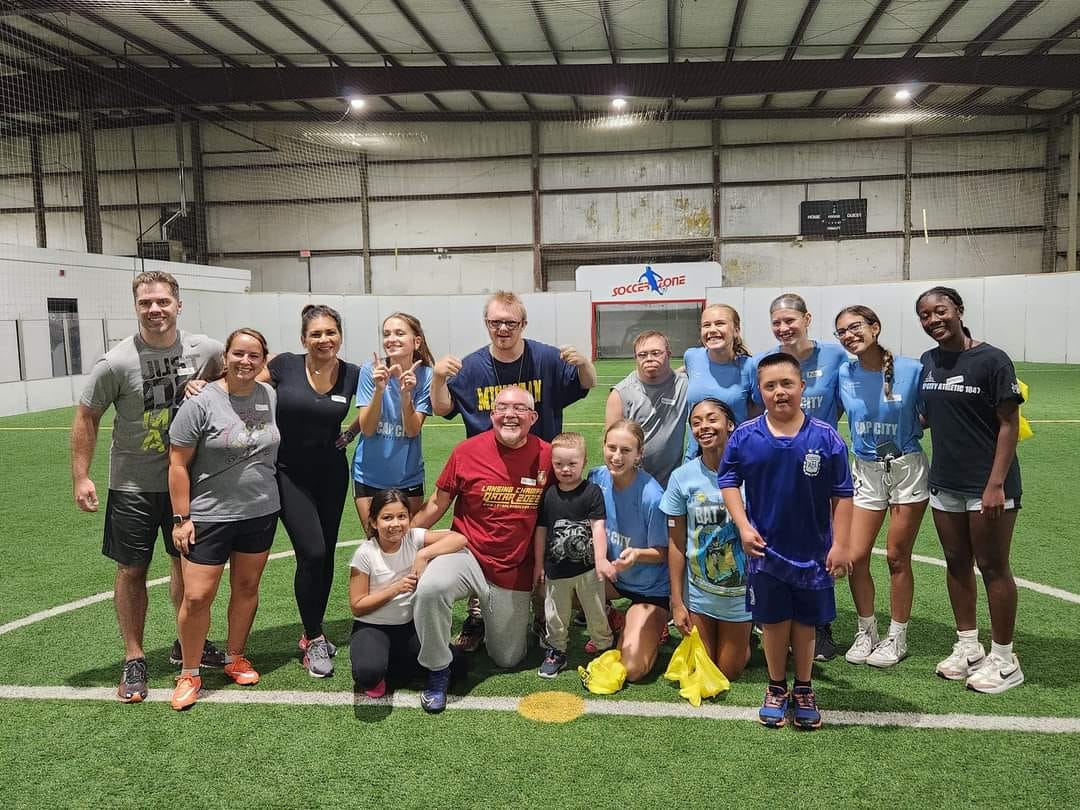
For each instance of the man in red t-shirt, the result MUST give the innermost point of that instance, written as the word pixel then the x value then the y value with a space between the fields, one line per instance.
pixel 496 480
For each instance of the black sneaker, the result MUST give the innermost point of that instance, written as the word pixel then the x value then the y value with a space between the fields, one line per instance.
pixel 132 688
pixel 472 634
pixel 824 646
pixel 211 655
pixel 554 663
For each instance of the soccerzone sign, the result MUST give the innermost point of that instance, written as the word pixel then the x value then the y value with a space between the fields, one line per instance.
pixel 654 283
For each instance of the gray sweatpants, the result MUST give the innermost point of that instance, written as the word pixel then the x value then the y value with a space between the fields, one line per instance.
pixel 450 577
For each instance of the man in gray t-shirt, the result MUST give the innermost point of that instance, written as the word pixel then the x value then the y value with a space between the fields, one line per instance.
pixel 143 379
pixel 654 396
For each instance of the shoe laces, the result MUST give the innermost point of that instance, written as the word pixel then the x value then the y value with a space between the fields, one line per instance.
pixel 319 649
pixel 804 697
pixel 185 678
pixel 241 663
pixel 135 671
pixel 439 680
pixel 775 697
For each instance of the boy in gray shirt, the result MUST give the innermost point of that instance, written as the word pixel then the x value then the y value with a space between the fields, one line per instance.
pixel 143 378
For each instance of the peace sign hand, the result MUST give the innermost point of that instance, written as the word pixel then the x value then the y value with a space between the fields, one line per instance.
pixel 380 374
pixel 408 378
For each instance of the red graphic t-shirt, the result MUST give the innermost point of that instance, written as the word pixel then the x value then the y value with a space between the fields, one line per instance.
pixel 498 492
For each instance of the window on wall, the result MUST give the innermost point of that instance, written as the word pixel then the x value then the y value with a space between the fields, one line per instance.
pixel 616 325
pixel 64 343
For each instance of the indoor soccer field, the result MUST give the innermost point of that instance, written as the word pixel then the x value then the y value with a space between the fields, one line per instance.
pixel 896 737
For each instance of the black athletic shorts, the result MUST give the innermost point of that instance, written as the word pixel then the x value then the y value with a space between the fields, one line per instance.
pixel 133 521
pixel 364 491
pixel 641 599
pixel 215 542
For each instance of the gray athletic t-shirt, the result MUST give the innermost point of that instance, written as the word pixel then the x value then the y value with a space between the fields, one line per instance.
pixel 146 386
pixel 661 412
pixel 236 443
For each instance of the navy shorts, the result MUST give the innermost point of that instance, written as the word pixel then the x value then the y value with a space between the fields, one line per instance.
pixel 215 542
pixel 133 521
pixel 772 600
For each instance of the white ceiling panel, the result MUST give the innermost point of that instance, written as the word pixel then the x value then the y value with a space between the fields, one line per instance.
pixel 705 25
pixel 576 27
pixel 640 25
pixel 906 22
pixel 843 99
pixel 742 102
pixel 972 18
pixel 514 29
pixel 792 100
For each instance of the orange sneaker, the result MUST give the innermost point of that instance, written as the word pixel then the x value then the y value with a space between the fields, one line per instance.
pixel 186 692
pixel 241 671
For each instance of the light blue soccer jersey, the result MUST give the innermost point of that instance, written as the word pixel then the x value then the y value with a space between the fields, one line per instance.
pixel 731 383
pixel 820 373
pixel 875 418
pixel 634 520
pixel 390 459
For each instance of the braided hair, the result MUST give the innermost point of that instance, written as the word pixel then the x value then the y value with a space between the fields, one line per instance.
pixel 952 295
pixel 888 364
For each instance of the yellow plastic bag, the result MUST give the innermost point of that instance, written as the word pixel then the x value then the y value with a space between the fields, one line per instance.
pixel 1025 427
pixel 696 673
pixel 605 674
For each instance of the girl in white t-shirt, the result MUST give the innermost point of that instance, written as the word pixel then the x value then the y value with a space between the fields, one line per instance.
pixel 384 573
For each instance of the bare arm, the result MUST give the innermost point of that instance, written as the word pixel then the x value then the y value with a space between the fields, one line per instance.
pixel 362 601
pixel 676 559
pixel 838 562
pixel 432 511
pixel 604 568
pixel 411 420
pixel 441 402
pixel 613 410
pixel 180 495
pixel 539 541
pixel 437 543
pixel 993 497
pixel 752 542
pixel 84 431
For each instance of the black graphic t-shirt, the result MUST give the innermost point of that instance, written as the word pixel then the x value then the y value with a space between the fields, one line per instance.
pixel 309 421
pixel 568 518
pixel 961 392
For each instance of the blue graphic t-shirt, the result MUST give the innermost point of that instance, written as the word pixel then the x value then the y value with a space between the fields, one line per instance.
pixel 789 484
pixel 730 383
pixel 715 561
pixel 390 459
pixel 820 372
pixel 875 418
pixel 634 520
pixel 541 371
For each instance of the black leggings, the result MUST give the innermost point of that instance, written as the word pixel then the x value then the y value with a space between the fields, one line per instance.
pixel 380 649
pixel 311 502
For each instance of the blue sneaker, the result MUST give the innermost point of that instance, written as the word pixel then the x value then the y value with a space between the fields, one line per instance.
pixel 807 717
pixel 433 698
pixel 773 711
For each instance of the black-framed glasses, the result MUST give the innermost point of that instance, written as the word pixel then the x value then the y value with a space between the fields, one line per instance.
pixel 501 324
pixel 854 328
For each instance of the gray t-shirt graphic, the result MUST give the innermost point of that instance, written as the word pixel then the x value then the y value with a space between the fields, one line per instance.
pixel 236 440
pixel 146 386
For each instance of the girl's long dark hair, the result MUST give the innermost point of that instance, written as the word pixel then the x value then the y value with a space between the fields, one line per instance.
pixel 382 499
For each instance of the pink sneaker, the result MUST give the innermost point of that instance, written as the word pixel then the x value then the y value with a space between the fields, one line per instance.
pixel 377 691
pixel 592 649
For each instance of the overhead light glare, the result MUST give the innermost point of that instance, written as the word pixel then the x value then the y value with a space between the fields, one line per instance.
pixel 903 94
pixel 357 103
pixel 618 103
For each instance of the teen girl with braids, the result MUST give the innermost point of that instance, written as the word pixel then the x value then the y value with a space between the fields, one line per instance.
pixel 880 394
pixel 972 402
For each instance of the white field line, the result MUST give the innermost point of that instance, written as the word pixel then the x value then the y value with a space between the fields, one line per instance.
pixel 606 708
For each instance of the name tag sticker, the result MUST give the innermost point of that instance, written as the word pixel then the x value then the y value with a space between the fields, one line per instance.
pixel 671 523
pixel 894 398
pixel 817 372
pixel 186 371
pixel 667 401
pixel 528 482
pixel 338 398
pixel 260 407
pixel 955 380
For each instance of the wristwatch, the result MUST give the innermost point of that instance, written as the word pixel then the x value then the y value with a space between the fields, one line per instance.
pixel 179 520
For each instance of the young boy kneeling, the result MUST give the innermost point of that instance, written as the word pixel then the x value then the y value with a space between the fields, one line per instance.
pixel 798 490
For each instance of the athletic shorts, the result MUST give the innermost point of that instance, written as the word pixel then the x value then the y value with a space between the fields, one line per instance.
pixel 215 542
pixel 133 521
pixel 948 500
pixel 641 599
pixel 364 491
pixel 772 600
pixel 879 486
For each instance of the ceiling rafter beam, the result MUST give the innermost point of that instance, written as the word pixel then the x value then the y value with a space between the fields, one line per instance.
pixel 1000 25
pixel 145 45
pixel 311 41
pixel 671 34
pixel 796 39
pixel 860 40
pixel 609 33
pixel 478 23
pixel 733 40
pixel 545 29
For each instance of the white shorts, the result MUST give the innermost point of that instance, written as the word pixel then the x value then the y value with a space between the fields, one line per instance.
pixel 947 500
pixel 905 481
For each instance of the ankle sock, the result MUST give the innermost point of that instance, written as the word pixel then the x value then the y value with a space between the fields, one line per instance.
pixel 229 658
pixel 1003 651
pixel 868 624
pixel 194 672
pixel 897 629
pixel 971 636
pixel 799 684
pixel 778 684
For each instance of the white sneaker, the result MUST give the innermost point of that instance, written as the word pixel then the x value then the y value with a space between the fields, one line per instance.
pixel 888 652
pixel 996 675
pixel 965 659
pixel 865 641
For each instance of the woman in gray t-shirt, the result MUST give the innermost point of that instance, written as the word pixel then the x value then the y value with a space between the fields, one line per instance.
pixel 223 449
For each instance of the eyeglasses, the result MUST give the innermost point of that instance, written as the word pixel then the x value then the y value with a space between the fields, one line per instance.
pixel 509 325
pixel 517 407
pixel 655 354
pixel 855 329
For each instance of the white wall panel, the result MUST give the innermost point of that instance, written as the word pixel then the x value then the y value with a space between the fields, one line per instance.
pixel 17 229
pixel 43 395
pixel 155 146
pixel 16 192
pixel 9 352
pixel 813 262
pixel 599 135
pixel 281 183
pixel 66 231
pixel 61 189
pixel 813 160
pixel 1051 301
pixel 462 273
pixel 978 154
pixel 626 170
pixel 447 178
pixel 627 216
pixel 337 274
pixel 155 187
pixel 283 227
pixel 990 255
pixel 446 223
pixel 361 325
pixel 1005 316
pixel 977 201
pixel 276 273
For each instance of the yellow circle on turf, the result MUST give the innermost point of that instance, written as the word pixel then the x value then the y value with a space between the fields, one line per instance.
pixel 551 707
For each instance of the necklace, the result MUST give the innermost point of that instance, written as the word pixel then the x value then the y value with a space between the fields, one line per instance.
pixel 495 368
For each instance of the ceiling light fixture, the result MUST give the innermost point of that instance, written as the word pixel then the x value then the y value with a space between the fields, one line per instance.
pixel 357 104
pixel 903 95
pixel 618 103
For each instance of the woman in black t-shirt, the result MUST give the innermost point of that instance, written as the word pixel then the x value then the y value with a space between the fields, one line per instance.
pixel 314 392
pixel 972 405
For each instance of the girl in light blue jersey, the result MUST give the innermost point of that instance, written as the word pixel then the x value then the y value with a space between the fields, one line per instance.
pixel 880 394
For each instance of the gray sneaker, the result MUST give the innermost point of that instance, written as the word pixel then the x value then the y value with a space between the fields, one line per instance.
pixel 317 659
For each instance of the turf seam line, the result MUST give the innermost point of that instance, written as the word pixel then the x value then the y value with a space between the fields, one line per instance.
pixel 600 708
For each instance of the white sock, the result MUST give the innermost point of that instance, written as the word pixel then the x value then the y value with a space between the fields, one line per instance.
pixel 1002 651
pixel 229 658
pixel 897 629
pixel 194 672
pixel 971 636
pixel 868 624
